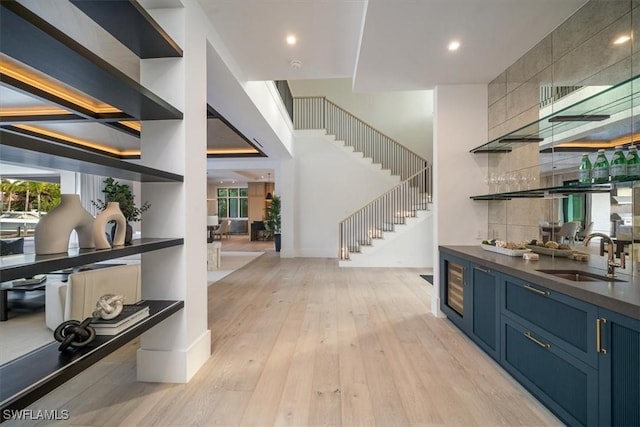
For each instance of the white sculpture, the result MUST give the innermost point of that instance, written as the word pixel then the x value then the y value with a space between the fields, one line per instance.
pixel 109 306
pixel 54 229
pixel 111 213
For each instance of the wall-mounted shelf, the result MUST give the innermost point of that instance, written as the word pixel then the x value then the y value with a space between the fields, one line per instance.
pixel 601 107
pixel 28 378
pixel 27 265
pixel 539 193
pixel 23 149
pixel 130 23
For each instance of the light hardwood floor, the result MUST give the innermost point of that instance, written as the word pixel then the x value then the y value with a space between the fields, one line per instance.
pixel 242 243
pixel 303 342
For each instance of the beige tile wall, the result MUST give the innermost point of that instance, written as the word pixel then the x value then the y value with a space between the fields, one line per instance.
pixel 578 52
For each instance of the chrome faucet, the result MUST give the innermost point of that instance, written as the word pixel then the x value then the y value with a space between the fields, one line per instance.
pixel 611 263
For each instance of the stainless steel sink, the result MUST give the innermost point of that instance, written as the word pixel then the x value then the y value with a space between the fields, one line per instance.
pixel 579 276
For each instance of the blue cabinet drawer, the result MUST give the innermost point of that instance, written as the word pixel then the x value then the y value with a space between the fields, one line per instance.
pixel 566 385
pixel 568 323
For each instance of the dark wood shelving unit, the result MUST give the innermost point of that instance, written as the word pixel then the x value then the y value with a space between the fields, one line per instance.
pixel 27 265
pixel 28 378
pixel 54 54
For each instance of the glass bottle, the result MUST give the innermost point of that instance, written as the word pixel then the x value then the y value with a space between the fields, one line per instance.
pixel 601 168
pixel 618 167
pixel 585 169
pixel 633 163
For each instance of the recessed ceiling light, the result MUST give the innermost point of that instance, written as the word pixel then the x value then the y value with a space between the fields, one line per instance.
pixel 291 39
pixel 622 39
pixel 454 45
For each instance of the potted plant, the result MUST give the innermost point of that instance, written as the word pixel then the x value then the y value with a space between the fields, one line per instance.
pixel 273 220
pixel 121 193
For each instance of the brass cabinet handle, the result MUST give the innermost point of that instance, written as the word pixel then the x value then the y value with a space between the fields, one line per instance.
pixel 537 291
pixel 540 343
pixel 599 322
pixel 481 269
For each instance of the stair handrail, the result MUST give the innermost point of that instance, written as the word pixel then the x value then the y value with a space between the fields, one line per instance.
pixel 400 184
pixel 317 116
pixel 422 181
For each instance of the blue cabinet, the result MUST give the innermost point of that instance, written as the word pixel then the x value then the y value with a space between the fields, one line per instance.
pixel 485 310
pixel 618 350
pixel 579 360
pixel 455 292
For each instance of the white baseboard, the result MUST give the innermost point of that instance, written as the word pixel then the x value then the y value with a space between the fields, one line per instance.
pixel 174 366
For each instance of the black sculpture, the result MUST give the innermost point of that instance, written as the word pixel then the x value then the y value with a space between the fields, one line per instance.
pixel 74 333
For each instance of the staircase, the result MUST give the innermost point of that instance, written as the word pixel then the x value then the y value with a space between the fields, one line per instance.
pixel 395 207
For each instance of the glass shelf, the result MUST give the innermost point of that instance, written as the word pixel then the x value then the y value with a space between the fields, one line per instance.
pixel 539 193
pixel 601 107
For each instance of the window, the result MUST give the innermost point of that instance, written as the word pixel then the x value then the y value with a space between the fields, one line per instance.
pixel 233 202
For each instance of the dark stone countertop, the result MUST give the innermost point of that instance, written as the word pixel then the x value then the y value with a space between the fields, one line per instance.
pixel 620 297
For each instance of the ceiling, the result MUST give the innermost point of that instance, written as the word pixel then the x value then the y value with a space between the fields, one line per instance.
pixel 384 45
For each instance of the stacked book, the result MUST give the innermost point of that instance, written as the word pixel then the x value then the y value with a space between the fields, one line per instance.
pixel 130 315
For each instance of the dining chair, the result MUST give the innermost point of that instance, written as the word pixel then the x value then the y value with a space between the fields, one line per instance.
pixel 580 235
pixel 223 230
pixel 567 231
pixel 545 231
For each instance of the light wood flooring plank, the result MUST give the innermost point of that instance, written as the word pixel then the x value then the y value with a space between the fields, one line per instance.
pixel 263 405
pixel 356 405
pixel 386 401
pixel 293 408
pixel 325 399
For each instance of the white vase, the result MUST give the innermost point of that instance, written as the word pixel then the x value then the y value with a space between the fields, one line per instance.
pixel 111 213
pixel 54 229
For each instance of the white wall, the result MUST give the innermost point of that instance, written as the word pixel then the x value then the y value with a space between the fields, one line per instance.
pixel 411 246
pixel 460 124
pixel 329 185
pixel 406 116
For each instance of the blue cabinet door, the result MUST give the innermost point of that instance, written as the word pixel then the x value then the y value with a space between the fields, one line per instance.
pixel 619 369
pixel 455 292
pixel 485 310
pixel 565 384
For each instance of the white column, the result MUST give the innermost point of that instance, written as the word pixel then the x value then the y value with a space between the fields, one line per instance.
pixel 285 184
pixel 174 350
pixel 460 124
